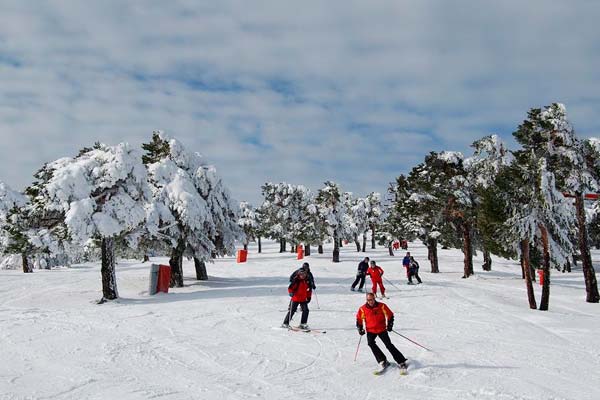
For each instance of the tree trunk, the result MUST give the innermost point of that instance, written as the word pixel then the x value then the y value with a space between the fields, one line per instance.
pixel 527 271
pixel 545 300
pixel 522 260
pixel 200 266
pixel 336 248
pixel 373 236
pixel 259 245
pixel 109 279
pixel 364 243
pixel 320 249
pixel 391 248
pixel 146 258
pixel 591 285
pixel 282 245
pixel 307 250
pixel 246 246
pixel 468 252
pixel 293 248
pixel 357 243
pixel 176 263
pixel 27 268
pixel 487 260
pixel 432 255
pixel 341 244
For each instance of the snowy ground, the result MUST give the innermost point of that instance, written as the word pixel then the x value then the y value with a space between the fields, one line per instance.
pixel 218 339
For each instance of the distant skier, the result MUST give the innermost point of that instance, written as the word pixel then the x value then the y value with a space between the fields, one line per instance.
pixel 378 321
pixel 376 274
pixel 300 292
pixel 306 268
pixel 361 274
pixel 413 270
pixel 406 264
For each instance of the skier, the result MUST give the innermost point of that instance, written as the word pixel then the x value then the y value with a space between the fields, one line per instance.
pixel 414 271
pixel 363 266
pixel 376 273
pixel 300 292
pixel 406 264
pixel 378 321
pixel 306 268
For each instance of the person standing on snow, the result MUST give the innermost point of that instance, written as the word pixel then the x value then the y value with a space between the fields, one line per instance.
pixel 300 292
pixel 361 274
pixel 406 264
pixel 306 268
pixel 414 270
pixel 376 274
pixel 378 320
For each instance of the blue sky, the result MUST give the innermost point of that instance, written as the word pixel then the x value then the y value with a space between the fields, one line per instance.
pixel 351 91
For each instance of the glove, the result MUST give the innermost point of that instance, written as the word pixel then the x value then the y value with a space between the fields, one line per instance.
pixel 314 287
pixel 308 300
pixel 390 324
pixel 291 294
pixel 361 331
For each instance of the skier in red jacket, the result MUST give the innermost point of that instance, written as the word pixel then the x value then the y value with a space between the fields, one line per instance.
pixel 378 321
pixel 376 273
pixel 300 292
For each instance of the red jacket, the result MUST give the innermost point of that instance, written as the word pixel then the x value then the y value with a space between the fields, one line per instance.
pixel 375 273
pixel 301 290
pixel 375 317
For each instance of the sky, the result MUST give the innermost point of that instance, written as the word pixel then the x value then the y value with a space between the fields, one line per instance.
pixel 303 92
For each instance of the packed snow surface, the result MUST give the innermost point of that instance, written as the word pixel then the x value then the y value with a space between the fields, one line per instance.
pixel 219 339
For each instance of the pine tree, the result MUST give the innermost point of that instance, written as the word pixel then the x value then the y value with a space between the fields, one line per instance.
pixel 191 209
pixel 248 222
pixel 329 202
pixel 547 134
pixel 13 227
pixel 490 156
pixel 98 195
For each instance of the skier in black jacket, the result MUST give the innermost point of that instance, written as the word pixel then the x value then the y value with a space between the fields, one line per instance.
pixel 309 276
pixel 363 266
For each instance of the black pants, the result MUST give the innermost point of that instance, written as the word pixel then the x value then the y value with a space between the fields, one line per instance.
pixel 359 278
pixel 293 308
pixel 414 273
pixel 385 338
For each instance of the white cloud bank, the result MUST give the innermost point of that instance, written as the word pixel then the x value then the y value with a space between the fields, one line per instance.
pixel 355 91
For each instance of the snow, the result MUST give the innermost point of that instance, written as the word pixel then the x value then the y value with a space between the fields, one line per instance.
pixel 218 339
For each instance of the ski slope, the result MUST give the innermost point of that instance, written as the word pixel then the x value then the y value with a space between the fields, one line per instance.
pixel 219 339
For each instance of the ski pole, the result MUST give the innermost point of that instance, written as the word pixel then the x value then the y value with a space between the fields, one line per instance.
pixel 388 281
pixel 317 299
pixel 410 340
pixel 357 347
pixel 290 312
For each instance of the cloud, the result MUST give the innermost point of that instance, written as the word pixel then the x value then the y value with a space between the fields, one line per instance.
pixel 352 91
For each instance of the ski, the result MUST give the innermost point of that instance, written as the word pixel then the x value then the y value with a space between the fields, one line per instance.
pixel 382 370
pixel 310 330
pixel 403 370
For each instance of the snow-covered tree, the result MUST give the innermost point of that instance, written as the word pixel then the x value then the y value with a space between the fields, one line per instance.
pixel 101 194
pixel 490 156
pixel 12 231
pixel 374 212
pixel 357 219
pixel 248 222
pixel 331 209
pixel 191 210
pixel 288 214
pixel 574 163
pixel 538 209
